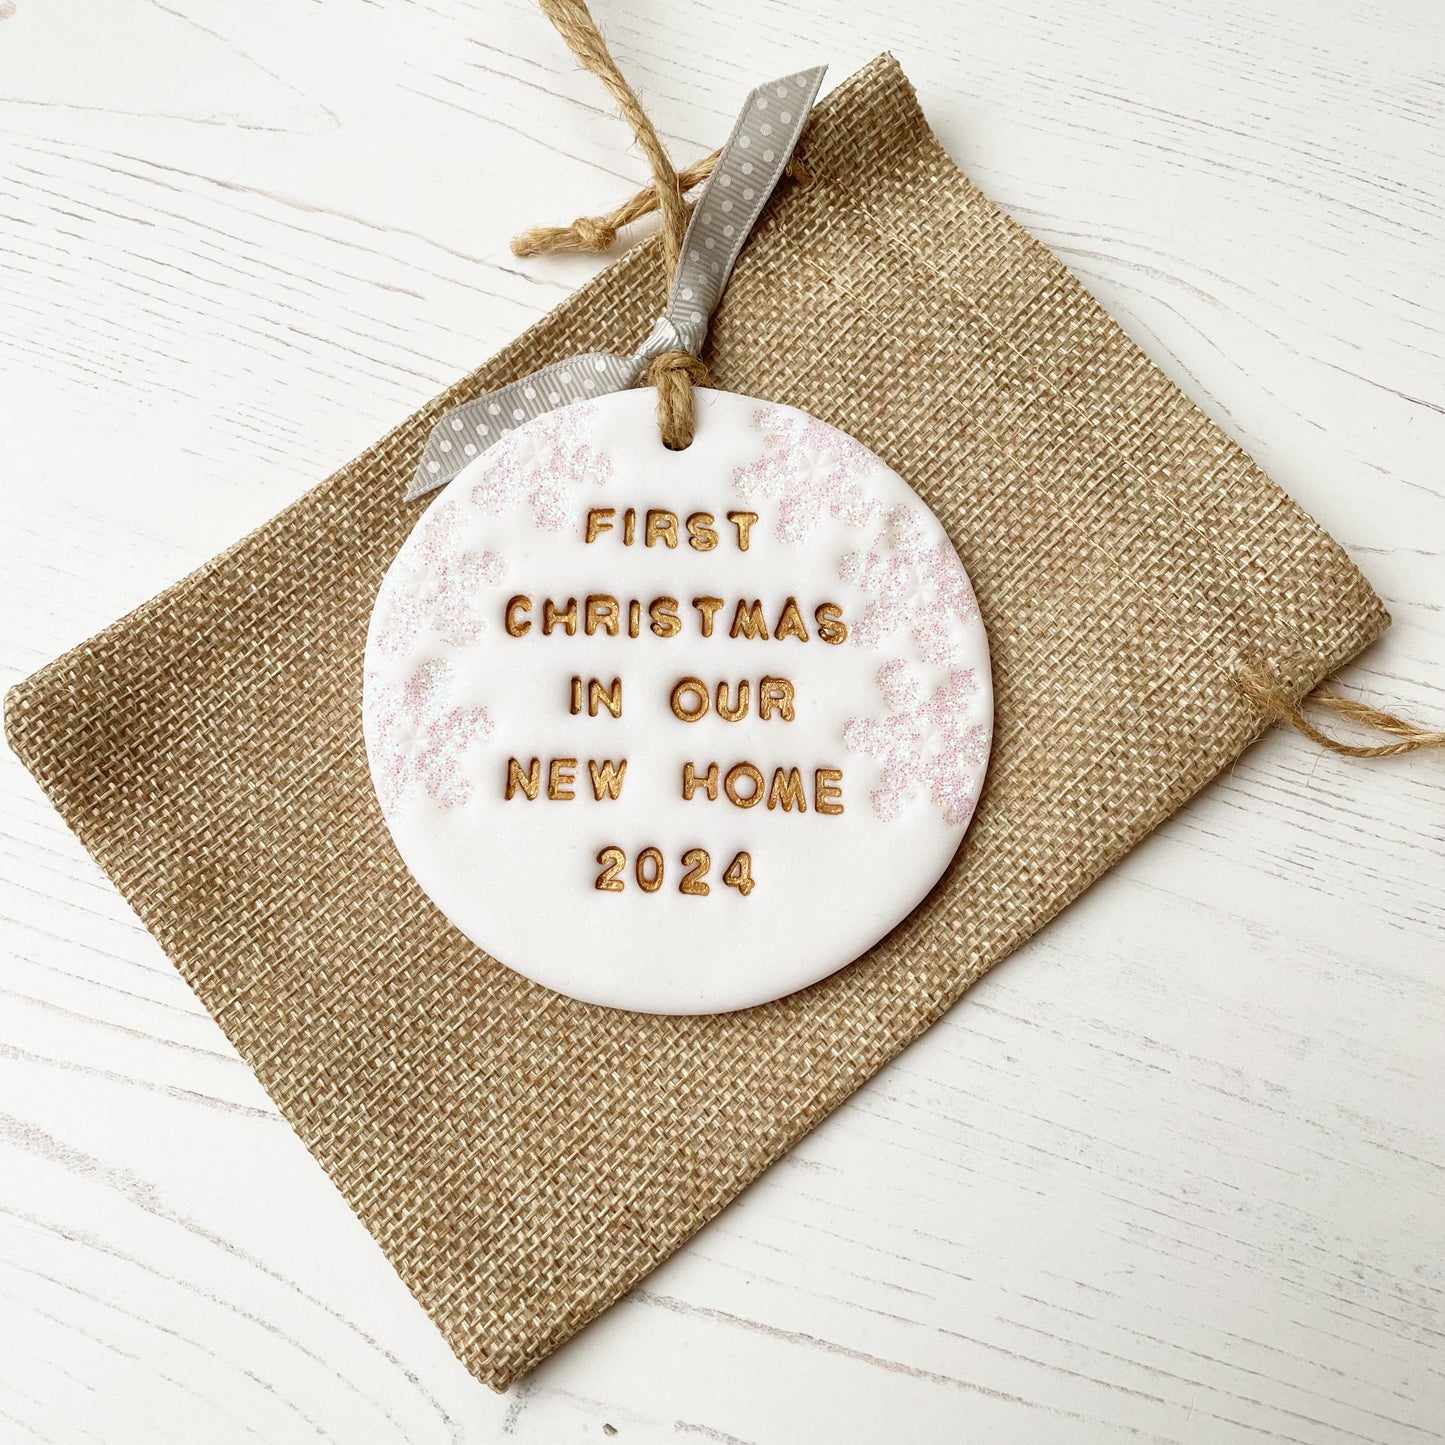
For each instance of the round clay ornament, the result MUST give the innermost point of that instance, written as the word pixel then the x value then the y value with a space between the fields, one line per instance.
pixel 679 732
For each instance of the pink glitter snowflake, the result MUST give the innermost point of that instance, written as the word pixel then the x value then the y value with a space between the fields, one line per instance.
pixel 542 464
pixel 422 743
pixel 927 743
pixel 914 585
pixel 442 587
pixel 811 469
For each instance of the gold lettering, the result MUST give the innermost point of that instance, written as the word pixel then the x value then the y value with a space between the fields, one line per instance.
pixel 602 611
pixel 826 795
pixel 613 861
pixel 528 782
pixel 739 874
pixel 608 697
pixel 748 621
pixel 551 617
pixel 697 861
pixel 706 609
pixel 607 779
pixel 691 782
pixel 743 521
pixel 831 628
pixel 664 615
pixel 576 704
pixel 701 534
pixel 661 527
pixel 599 520
pixel 725 708
pixel 516 626
pixel 648 869
pixel 730 785
pixel 560 776
pixel 775 692
pixel 790 622
pixel 787 791
pixel 629 527
pixel 693 685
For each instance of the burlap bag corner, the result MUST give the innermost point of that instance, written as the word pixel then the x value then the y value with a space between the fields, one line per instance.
pixel 523 1159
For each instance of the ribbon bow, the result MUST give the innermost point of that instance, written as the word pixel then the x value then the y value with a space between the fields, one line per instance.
pixel 748 168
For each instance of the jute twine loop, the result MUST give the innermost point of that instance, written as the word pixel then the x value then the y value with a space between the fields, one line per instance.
pixel 576 26
pixel 599 233
pixel 574 22
pixel 1261 687
pixel 674 374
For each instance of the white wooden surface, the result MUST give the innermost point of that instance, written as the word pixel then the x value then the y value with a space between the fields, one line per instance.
pixel 1175 1172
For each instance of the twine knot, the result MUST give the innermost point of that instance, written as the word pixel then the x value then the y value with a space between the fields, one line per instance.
pixel 599 233
pixel 586 233
pixel 674 374
pixel 1260 685
pixel 593 234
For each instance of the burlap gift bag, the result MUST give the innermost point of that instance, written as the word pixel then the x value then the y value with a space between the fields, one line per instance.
pixel 524 1159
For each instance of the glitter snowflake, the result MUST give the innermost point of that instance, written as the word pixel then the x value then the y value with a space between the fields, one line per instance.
pixel 424 743
pixel 542 464
pixel 914 585
pixel 810 469
pixel 924 742
pixel 442 586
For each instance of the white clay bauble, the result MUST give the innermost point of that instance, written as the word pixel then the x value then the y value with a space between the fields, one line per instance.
pixel 678 732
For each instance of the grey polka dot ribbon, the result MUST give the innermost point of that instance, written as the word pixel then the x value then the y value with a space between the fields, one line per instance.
pixel 728 207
